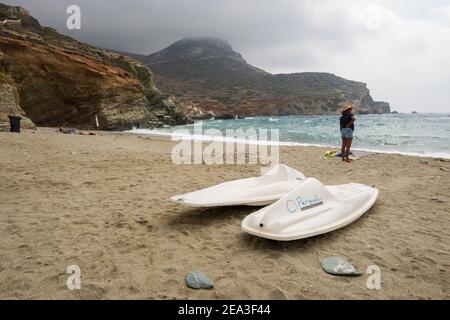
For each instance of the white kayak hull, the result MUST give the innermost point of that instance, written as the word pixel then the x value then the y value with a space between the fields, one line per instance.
pixel 258 191
pixel 311 209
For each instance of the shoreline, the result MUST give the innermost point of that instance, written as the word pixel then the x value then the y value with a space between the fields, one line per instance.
pixel 168 136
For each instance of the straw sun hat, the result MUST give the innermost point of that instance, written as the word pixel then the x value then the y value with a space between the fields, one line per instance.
pixel 345 107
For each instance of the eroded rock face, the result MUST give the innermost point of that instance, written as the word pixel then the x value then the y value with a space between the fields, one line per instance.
pixel 59 87
pixel 9 105
pixel 61 81
pixel 17 13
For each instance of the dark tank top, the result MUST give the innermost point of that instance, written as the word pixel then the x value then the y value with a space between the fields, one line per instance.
pixel 345 119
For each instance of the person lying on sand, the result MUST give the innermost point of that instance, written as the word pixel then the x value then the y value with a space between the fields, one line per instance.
pixel 66 130
pixel 347 127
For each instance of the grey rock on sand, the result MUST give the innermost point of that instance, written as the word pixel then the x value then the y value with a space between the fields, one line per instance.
pixel 339 266
pixel 198 280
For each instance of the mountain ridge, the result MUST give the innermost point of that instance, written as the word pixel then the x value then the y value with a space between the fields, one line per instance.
pixel 210 74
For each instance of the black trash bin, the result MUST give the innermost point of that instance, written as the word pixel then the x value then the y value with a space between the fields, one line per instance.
pixel 15 123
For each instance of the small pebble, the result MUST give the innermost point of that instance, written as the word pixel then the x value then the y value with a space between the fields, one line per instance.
pixel 437 199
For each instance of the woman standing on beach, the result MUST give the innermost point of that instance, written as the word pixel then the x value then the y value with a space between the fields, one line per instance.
pixel 347 127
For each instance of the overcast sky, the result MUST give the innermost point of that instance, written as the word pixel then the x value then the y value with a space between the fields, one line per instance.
pixel 400 48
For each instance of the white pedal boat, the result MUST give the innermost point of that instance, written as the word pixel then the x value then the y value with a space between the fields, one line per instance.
pixel 311 209
pixel 258 191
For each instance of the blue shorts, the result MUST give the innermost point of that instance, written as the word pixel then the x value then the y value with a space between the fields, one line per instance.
pixel 347 133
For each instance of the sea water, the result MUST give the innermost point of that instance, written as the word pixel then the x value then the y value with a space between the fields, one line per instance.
pixel 413 134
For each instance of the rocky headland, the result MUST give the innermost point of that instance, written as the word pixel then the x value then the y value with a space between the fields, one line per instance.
pixel 209 74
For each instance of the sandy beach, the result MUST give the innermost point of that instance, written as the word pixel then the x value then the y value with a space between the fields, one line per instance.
pixel 102 202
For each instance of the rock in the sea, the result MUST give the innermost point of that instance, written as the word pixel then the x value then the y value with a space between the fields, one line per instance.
pixel 198 280
pixel 339 266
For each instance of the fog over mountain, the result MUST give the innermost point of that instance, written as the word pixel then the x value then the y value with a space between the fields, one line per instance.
pixel 400 48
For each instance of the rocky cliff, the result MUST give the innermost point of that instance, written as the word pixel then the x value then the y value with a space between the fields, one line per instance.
pixel 9 105
pixel 211 75
pixel 56 80
pixel 60 81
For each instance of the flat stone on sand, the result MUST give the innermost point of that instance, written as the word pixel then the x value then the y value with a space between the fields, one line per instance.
pixel 339 266
pixel 198 280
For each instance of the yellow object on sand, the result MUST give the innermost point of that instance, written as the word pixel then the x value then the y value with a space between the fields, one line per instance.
pixel 330 154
